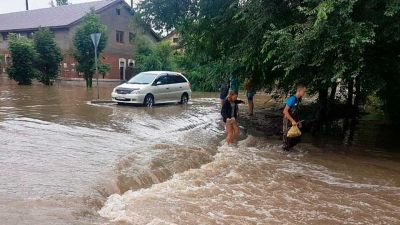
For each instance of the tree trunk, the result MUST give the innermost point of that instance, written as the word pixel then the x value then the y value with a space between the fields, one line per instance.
pixel 349 101
pixel 332 95
pixel 357 97
pixel 322 109
pixel 88 82
pixel 323 103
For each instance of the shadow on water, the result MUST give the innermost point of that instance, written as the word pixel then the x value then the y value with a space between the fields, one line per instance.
pixel 358 134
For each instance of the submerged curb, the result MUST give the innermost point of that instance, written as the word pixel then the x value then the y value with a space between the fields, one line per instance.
pixel 101 101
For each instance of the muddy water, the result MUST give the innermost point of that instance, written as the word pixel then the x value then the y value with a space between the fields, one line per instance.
pixel 66 161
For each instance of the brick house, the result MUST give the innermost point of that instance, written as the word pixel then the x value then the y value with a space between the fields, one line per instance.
pixel 64 20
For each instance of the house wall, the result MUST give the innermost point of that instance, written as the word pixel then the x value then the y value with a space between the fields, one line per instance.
pixel 173 40
pixel 62 37
pixel 115 54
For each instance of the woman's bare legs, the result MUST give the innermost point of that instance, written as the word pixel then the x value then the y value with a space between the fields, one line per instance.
pixel 235 132
pixel 229 132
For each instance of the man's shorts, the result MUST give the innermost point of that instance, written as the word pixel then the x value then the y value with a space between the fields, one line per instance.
pixel 250 96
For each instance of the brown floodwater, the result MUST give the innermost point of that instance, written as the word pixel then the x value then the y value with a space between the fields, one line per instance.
pixel 65 161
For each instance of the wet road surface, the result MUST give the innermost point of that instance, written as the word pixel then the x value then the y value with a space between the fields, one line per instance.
pixel 66 161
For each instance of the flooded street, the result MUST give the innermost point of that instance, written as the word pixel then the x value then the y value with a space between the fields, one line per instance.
pixel 66 161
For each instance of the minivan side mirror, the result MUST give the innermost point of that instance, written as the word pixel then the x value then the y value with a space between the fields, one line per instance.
pixel 158 83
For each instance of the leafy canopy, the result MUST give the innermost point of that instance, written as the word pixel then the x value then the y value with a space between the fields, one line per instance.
pixel 23 57
pixel 84 53
pixel 49 55
pixel 283 43
pixel 150 57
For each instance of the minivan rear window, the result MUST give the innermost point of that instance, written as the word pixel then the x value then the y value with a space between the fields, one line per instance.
pixel 178 79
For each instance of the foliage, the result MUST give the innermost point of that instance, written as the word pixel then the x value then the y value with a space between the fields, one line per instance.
pixel 283 43
pixel 84 53
pixel 103 69
pixel 62 2
pixel 58 3
pixel 23 56
pixel 151 56
pixel 49 55
pixel 166 14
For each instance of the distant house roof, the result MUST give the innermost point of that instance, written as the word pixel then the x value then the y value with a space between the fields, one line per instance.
pixel 54 17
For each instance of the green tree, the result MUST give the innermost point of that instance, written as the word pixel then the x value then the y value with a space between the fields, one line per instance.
pixel 151 56
pixel 166 14
pixel 58 3
pixel 49 55
pixel 84 53
pixel 283 43
pixel 62 2
pixel 23 57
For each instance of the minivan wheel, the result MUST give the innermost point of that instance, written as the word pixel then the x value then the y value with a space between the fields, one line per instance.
pixel 184 99
pixel 148 101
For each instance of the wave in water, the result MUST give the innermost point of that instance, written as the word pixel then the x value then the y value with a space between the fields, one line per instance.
pixel 256 183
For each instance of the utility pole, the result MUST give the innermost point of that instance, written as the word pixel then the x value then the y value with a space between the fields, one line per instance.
pixel 27 5
pixel 132 4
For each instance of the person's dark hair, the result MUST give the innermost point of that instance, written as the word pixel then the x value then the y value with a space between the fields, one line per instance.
pixel 231 92
pixel 301 86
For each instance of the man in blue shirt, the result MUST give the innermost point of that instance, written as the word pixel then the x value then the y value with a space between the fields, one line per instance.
pixel 234 85
pixel 291 116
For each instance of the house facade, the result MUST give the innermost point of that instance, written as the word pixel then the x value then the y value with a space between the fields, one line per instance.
pixel 63 21
pixel 173 39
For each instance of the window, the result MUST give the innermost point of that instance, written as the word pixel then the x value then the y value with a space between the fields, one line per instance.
pixel 132 37
pixel 143 78
pixel 177 79
pixel 118 12
pixel 7 58
pixel 131 63
pixel 29 35
pixel 181 79
pixel 5 36
pixel 163 79
pixel 120 36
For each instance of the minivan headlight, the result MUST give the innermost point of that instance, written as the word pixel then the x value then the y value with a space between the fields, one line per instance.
pixel 135 91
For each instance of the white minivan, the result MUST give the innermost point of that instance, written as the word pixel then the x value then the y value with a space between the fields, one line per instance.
pixel 153 87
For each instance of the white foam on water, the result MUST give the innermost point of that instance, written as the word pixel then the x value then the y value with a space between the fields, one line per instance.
pixel 255 185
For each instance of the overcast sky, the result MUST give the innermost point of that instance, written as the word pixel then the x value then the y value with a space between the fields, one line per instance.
pixel 19 5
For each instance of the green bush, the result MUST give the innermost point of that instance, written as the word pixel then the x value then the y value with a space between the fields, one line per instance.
pixel 23 57
pixel 49 56
pixel 84 53
pixel 151 56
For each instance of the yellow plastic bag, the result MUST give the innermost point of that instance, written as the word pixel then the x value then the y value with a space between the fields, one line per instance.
pixel 293 132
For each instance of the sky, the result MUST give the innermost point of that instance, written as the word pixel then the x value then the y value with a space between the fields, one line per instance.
pixel 7 6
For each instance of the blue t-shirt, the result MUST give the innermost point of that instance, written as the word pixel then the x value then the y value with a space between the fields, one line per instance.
pixel 291 102
pixel 234 83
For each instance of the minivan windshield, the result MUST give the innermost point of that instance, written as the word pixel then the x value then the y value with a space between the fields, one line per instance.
pixel 143 78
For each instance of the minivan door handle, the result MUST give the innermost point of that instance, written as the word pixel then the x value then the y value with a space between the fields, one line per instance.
pixel 167 88
pixel 180 87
